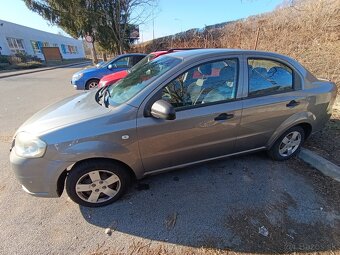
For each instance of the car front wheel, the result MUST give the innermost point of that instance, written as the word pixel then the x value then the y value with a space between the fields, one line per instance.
pixel 92 84
pixel 97 183
pixel 288 144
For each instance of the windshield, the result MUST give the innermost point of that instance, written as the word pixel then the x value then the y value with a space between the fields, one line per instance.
pixel 105 64
pixel 100 64
pixel 145 60
pixel 139 78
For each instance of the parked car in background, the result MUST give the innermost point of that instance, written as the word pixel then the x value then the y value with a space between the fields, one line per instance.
pixel 114 77
pixel 89 78
pixel 177 110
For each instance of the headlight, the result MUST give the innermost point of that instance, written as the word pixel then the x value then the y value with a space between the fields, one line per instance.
pixel 76 77
pixel 101 84
pixel 29 146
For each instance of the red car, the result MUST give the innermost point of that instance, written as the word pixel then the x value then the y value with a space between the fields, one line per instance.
pixel 113 78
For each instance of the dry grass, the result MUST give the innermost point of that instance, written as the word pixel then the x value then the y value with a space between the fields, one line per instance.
pixel 309 31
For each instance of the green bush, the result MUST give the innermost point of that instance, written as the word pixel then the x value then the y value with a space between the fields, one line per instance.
pixel 29 65
pixel 21 57
pixel 4 66
pixel 4 59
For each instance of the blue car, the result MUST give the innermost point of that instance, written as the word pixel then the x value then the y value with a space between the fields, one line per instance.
pixel 89 78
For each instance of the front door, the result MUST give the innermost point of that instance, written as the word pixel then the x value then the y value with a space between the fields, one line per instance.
pixel 208 115
pixel 122 63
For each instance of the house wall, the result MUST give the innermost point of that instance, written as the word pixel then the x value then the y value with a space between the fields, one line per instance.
pixel 30 38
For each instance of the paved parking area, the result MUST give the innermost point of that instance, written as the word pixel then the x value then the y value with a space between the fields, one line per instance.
pixel 222 204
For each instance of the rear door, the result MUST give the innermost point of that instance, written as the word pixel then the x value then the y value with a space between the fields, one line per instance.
pixel 271 97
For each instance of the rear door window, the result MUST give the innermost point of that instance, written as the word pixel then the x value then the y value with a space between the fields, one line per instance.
pixel 267 77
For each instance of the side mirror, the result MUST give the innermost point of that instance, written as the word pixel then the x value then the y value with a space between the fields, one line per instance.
pixel 161 109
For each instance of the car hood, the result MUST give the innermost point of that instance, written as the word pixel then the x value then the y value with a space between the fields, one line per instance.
pixel 115 76
pixel 88 70
pixel 71 110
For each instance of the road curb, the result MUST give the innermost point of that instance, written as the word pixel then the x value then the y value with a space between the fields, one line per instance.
pixel 41 70
pixel 320 163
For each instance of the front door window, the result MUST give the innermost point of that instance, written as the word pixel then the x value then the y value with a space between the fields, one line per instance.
pixel 207 83
pixel 122 63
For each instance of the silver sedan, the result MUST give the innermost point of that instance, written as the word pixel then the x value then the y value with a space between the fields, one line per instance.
pixel 179 109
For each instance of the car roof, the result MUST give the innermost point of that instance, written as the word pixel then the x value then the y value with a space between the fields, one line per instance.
pixel 206 52
pixel 197 54
pixel 159 53
pixel 132 54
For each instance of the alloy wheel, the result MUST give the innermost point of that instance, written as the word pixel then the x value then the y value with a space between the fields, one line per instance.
pixel 93 85
pixel 290 143
pixel 98 186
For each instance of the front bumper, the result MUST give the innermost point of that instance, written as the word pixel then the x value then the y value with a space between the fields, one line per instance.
pixel 78 84
pixel 38 176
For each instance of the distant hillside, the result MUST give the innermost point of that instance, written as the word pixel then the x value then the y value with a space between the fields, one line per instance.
pixel 308 31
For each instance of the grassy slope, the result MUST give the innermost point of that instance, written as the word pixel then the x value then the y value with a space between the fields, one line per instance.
pixel 309 31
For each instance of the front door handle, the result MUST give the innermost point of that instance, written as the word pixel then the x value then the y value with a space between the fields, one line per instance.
pixel 292 103
pixel 224 116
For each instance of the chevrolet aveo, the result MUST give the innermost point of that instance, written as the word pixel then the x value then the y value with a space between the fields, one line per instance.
pixel 179 109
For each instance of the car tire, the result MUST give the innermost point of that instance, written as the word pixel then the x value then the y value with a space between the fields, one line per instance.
pixel 97 183
pixel 288 144
pixel 92 84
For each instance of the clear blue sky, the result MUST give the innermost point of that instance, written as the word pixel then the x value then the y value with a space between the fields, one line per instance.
pixel 171 16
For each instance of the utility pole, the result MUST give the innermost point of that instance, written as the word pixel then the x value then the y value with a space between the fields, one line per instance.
pixel 257 38
pixel 90 40
pixel 153 26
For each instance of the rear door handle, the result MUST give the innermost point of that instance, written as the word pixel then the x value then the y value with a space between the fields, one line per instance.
pixel 292 103
pixel 224 116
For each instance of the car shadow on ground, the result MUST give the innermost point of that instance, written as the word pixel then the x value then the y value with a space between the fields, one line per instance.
pixel 246 204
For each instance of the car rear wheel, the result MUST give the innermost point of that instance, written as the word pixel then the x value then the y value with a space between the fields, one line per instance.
pixel 92 84
pixel 288 144
pixel 97 183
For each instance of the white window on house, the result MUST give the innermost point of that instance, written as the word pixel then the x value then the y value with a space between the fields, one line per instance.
pixel 16 45
pixel 35 46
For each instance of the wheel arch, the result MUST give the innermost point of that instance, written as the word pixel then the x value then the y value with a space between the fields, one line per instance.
pixel 90 79
pixel 304 120
pixel 62 177
pixel 307 128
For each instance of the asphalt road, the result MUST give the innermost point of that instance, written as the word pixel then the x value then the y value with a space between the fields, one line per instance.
pixel 222 204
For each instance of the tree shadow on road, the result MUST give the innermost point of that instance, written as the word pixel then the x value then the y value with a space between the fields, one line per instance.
pixel 248 204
